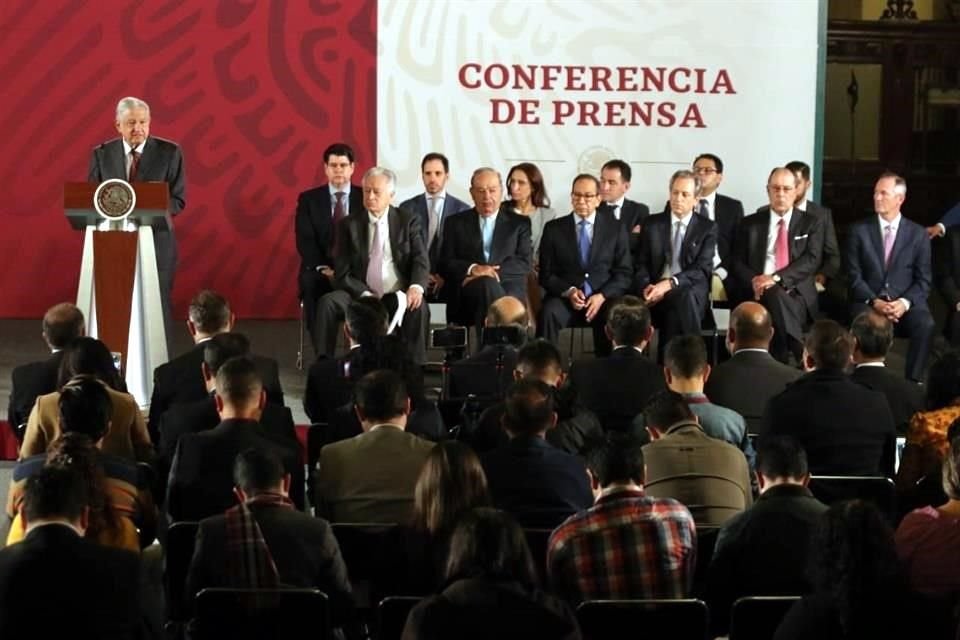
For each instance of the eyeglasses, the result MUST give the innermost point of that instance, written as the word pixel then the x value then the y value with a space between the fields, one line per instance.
pixel 583 196
pixel 778 188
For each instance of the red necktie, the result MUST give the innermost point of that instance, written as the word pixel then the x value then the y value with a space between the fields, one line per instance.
pixel 781 250
pixel 338 214
pixel 134 164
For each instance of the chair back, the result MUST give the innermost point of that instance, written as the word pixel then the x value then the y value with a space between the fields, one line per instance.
pixel 537 540
pixel 876 489
pixel 392 616
pixel 757 617
pixel 239 614
pixel 643 619
pixel 178 552
pixel 706 543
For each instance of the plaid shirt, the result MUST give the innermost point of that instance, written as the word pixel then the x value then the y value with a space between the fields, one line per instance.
pixel 626 546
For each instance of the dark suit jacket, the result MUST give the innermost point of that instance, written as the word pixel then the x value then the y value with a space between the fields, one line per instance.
pixel 609 269
pixel 617 387
pixel 478 373
pixel 535 482
pixel 948 269
pixel 29 381
pixel 746 382
pixel 68 586
pixel 511 248
pixel 417 205
pixel 727 214
pixel 805 237
pixel 162 161
pixel 201 476
pixel 406 243
pixel 830 257
pixel 905 398
pixel 327 388
pixel 632 214
pixel 303 548
pixel 845 428
pixel 314 224
pixel 696 258
pixel 909 273
pixel 181 380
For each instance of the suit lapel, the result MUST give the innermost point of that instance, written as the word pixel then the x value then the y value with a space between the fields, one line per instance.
pixel 360 229
pixel 692 236
pixel 898 242
pixel 797 224
pixel 759 240
pixel 147 161
pixel 117 166
pixel 873 230
pixel 393 224
pixel 499 232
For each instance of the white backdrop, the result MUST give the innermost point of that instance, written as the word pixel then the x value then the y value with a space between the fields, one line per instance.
pixel 762 56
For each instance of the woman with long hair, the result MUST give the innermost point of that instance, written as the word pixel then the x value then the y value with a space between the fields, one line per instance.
pixel 528 197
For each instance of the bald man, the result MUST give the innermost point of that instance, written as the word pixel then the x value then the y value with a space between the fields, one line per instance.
pixel 478 374
pixel 751 376
pixel 486 253
pixel 62 324
pixel 777 253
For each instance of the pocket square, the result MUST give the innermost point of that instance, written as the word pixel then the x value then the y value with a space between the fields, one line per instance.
pixel 806 235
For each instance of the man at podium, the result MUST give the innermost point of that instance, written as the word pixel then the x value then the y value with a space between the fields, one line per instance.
pixel 136 156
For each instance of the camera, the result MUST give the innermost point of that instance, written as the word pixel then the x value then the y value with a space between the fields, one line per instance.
pixel 508 336
pixel 448 338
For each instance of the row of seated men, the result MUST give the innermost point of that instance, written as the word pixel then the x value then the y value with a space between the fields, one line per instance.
pixel 620 530
pixel 701 246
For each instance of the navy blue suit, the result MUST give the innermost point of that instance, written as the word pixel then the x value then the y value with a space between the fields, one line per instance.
pixel 907 276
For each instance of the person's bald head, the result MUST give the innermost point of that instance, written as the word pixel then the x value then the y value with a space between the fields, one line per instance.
pixel 62 324
pixel 750 327
pixel 506 311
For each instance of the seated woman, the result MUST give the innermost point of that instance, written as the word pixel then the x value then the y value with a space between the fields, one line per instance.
pixel 127 436
pixel 491 588
pixel 928 539
pixel 119 505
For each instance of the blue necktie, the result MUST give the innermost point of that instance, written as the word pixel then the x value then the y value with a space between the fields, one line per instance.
pixel 583 243
pixel 486 230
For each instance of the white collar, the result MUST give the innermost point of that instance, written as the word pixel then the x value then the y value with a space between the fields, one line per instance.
pixel 684 221
pixel 381 220
pixel 618 203
pixel 871 364
pixel 895 223
pixel 127 148
pixel 590 218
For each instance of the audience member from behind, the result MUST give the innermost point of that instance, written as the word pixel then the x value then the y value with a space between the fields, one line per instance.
pixel 628 545
pixel 71 586
pixel 118 504
pixel 763 551
pixel 617 388
pixel 708 475
pixel 371 477
pixel 918 479
pixel 477 374
pixel 62 324
pixel 451 483
pixel 491 589
pixel 127 436
pixel 872 338
pixel 541 361
pixel 928 539
pixel 539 484
pixel 201 476
pixel 747 381
pixel 845 428
pixel 858 587
pixel 264 542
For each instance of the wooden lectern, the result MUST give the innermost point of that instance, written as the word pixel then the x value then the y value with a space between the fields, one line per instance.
pixel 119 290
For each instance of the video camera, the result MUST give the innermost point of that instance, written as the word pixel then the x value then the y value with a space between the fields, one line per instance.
pixel 449 338
pixel 508 336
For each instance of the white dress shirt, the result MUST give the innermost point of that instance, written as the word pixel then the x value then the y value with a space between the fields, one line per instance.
pixel 127 159
pixel 391 280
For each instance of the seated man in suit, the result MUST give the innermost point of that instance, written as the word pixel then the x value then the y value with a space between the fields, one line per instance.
pixel 709 476
pixel 477 374
pixel 576 426
pixel 433 207
pixel 382 255
pixel 845 428
pixel 74 587
pixel 328 386
pixel 777 253
pixel 298 549
pixel 62 324
pixel 674 263
pixel 486 252
pixel 201 473
pixel 371 477
pixel 537 483
pixel 181 380
pixel 947 279
pixel 617 388
pixel 724 211
pixel 319 212
pixel 615 178
pixel 872 338
pixel 747 381
pixel 584 263
pixel 888 261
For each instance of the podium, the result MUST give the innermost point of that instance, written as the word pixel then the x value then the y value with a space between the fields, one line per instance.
pixel 119 288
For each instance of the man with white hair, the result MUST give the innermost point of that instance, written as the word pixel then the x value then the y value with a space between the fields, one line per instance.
pixel 136 156
pixel 382 254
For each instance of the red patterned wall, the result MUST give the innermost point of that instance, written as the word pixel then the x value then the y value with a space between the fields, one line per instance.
pixel 253 91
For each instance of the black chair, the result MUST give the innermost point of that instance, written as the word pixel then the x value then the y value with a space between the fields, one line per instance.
pixel 757 617
pixel 178 552
pixel 644 619
pixel 261 613
pixel 392 616
pixel 362 546
pixel 706 543
pixel 876 489
pixel 537 540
